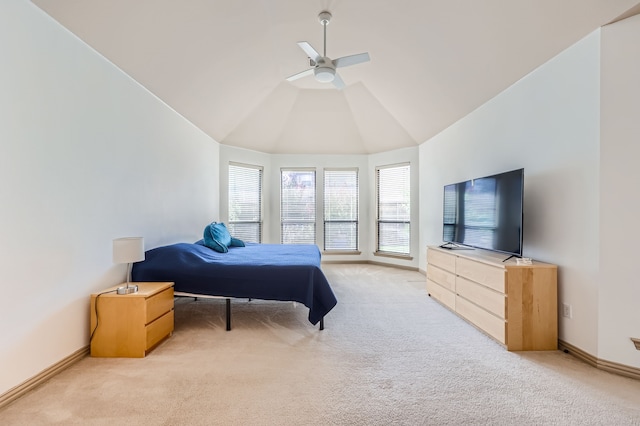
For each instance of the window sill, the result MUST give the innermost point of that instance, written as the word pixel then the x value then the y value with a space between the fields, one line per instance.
pixel 393 255
pixel 341 252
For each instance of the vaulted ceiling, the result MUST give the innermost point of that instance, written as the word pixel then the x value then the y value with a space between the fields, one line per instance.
pixel 223 64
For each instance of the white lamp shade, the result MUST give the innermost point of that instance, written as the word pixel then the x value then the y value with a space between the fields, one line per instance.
pixel 128 250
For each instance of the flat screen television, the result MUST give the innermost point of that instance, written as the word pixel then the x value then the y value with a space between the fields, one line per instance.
pixel 485 213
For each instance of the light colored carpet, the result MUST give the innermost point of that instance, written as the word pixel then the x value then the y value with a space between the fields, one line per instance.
pixel 389 356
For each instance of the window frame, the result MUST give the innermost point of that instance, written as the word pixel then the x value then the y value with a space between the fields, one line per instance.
pixel 260 221
pixel 356 221
pixel 388 253
pixel 312 222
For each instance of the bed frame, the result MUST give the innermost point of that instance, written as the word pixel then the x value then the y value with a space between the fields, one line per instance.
pixel 227 305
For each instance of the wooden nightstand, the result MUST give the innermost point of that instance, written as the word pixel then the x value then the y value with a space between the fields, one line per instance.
pixel 130 325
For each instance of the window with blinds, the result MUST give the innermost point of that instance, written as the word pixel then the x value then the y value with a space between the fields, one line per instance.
pixel 298 206
pixel 245 202
pixel 393 187
pixel 341 209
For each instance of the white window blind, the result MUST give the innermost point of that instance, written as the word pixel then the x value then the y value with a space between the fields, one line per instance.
pixel 298 206
pixel 245 202
pixel 393 187
pixel 341 209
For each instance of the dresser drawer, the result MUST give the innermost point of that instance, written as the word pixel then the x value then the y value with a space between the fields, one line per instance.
pixel 489 323
pixel 159 304
pixel 490 276
pixel 441 294
pixel 485 297
pixel 159 329
pixel 444 278
pixel 441 260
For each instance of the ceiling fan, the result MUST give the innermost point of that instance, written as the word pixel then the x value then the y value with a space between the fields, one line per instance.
pixel 324 69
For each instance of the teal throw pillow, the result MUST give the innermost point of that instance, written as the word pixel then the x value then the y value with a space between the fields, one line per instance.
pixel 236 242
pixel 217 237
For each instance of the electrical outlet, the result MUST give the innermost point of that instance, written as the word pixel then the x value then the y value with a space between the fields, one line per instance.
pixel 566 311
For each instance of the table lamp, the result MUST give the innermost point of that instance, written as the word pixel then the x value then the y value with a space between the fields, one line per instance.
pixel 128 250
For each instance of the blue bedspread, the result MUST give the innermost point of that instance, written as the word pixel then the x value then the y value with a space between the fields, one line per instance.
pixel 260 271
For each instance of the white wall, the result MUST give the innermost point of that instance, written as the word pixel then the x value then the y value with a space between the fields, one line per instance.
pixel 548 123
pixel 619 294
pixel 86 155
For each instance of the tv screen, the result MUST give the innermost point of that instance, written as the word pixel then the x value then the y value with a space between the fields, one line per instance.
pixel 486 212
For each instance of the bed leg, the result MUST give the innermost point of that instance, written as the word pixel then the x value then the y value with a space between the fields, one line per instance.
pixel 322 323
pixel 228 314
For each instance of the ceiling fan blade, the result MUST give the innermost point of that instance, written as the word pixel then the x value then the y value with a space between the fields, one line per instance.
pixel 346 61
pixel 337 81
pixel 310 51
pixel 300 74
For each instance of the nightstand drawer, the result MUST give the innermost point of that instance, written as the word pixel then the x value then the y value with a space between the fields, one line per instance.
pixel 159 329
pixel 159 304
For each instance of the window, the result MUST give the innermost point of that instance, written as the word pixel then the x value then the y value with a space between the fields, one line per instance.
pixel 298 206
pixel 245 202
pixel 341 209
pixel 394 209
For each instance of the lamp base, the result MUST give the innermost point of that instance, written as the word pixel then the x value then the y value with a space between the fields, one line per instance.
pixel 131 288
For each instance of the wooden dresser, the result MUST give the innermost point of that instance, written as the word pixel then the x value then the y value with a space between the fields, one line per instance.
pixel 517 305
pixel 130 325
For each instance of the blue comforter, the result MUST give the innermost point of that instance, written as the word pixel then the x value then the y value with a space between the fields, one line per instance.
pixel 260 271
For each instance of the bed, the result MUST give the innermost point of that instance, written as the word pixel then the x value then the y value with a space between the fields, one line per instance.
pixel 255 271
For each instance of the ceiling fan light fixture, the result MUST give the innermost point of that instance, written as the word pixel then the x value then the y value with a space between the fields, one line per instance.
pixel 323 68
pixel 324 74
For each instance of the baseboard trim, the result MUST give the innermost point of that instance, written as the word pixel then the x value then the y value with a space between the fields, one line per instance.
pixel 371 262
pixel 601 364
pixel 391 265
pixel 20 390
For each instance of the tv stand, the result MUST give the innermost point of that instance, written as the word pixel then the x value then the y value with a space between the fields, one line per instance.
pixel 515 304
pixel 513 255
